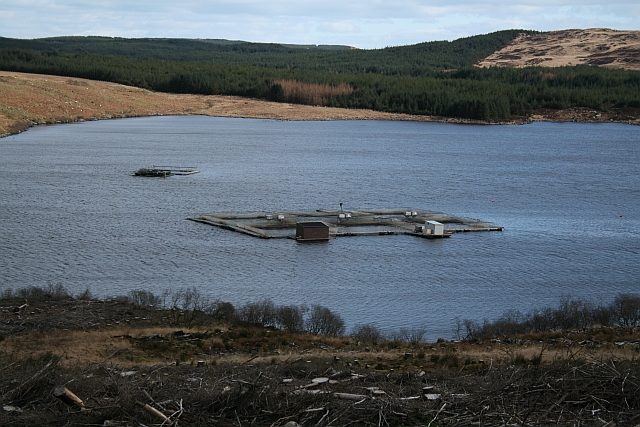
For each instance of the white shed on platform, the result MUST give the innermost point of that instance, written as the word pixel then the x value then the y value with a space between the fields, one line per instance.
pixel 434 227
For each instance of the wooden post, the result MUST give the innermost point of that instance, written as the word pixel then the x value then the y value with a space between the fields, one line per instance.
pixel 67 396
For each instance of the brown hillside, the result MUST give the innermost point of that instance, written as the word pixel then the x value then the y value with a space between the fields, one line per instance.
pixel 595 46
pixel 31 99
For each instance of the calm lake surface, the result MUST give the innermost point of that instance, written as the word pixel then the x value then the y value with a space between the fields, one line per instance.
pixel 567 194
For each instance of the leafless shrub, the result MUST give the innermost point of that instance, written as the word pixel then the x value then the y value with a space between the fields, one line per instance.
pixel 35 292
pixel 291 317
pixel 7 294
pixel 220 310
pixel 603 315
pixel 188 306
pixel 570 314
pixel 143 297
pixel 322 321
pixel 85 295
pixel 258 313
pixel 467 329
pixel 368 334
pixel 543 320
pixel 412 336
pixel 188 299
pixel 573 314
pixel 57 291
pixel 626 309
pixel 31 292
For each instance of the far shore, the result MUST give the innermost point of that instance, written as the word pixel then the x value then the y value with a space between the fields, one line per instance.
pixel 31 99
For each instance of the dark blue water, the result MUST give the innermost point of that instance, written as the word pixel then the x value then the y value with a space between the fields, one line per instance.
pixel 568 196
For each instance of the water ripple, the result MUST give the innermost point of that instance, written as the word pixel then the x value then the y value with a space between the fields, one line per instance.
pixel 72 214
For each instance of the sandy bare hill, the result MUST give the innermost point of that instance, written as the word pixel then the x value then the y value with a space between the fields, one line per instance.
pixel 595 46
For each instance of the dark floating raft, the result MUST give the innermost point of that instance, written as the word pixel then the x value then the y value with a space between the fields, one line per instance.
pixel 165 171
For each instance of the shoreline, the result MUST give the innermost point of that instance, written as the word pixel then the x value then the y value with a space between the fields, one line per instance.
pixel 28 100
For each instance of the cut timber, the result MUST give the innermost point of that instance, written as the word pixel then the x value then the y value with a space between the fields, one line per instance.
pixel 153 411
pixel 68 397
pixel 349 396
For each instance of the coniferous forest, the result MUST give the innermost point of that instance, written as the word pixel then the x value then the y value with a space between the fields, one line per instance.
pixel 434 78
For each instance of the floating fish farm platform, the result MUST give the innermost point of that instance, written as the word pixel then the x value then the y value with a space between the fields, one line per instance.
pixel 165 171
pixel 324 224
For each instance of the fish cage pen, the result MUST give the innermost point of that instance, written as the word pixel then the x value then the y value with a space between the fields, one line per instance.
pixel 342 223
pixel 165 171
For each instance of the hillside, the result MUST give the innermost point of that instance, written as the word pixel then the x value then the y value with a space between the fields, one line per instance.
pixel 33 99
pixel 596 46
pixel 427 81
pixel 400 60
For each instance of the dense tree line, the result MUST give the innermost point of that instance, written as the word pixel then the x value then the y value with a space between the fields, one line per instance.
pixel 487 94
pixel 401 60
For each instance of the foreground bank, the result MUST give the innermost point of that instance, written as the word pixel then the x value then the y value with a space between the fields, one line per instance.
pixel 121 362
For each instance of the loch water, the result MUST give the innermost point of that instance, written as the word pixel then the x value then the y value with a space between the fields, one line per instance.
pixel 567 195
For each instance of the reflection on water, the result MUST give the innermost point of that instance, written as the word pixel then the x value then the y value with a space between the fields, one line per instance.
pixel 71 213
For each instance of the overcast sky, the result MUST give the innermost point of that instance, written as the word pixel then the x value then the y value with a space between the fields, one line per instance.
pixel 358 23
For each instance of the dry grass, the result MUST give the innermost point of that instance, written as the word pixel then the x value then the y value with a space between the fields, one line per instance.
pixel 144 346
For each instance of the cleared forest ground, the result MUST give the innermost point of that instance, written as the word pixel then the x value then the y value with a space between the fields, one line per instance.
pixel 117 357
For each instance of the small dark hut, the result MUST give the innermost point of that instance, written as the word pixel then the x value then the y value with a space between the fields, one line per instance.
pixel 312 230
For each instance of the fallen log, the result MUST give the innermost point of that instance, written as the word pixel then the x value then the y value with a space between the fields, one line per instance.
pixel 154 412
pixel 68 397
pixel 349 396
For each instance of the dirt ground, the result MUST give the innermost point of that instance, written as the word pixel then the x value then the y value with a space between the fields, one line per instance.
pixel 117 357
pixel 594 46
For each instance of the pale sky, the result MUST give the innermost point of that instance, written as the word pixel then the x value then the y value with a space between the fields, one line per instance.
pixel 359 23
